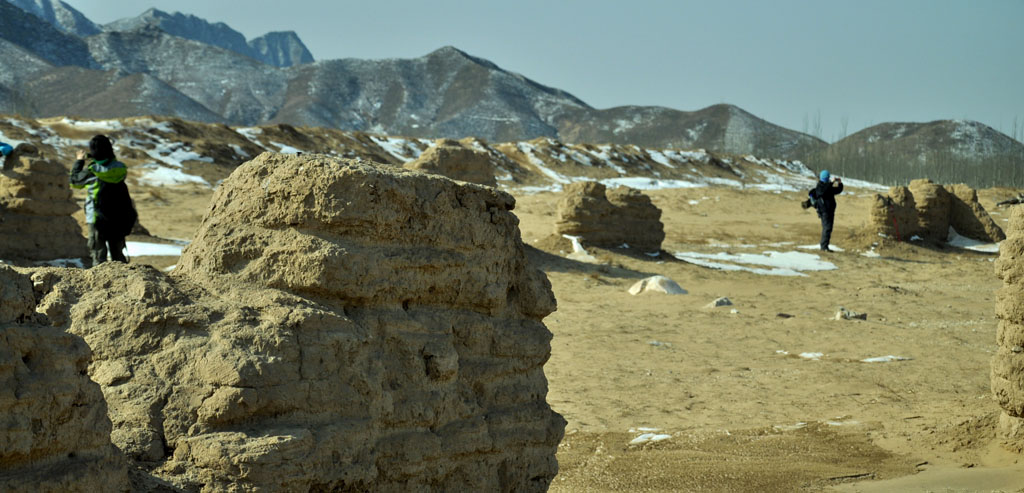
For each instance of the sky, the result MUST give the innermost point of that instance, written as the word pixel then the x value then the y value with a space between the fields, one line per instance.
pixel 827 67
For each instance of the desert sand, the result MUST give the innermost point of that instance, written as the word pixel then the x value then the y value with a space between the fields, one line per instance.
pixel 723 395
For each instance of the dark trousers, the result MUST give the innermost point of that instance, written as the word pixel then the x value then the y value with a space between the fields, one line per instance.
pixel 827 218
pixel 98 247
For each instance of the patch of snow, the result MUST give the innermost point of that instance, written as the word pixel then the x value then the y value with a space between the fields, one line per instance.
pixel 578 252
pixel 649 437
pixel 954 239
pixel 528 150
pixel 62 262
pixel 285 148
pixel 811 356
pixel 142 249
pixel 251 133
pixel 885 359
pixel 172 153
pixel 792 427
pixel 239 151
pixel 156 175
pixel 93 126
pixel 154 125
pixel 401 149
pixel 815 247
pixel 779 263
pixel 642 183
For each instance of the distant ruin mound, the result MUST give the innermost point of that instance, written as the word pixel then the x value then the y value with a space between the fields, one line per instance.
pixel 1008 362
pixel 334 325
pixel 610 218
pixel 465 160
pixel 56 433
pixel 35 210
pixel 929 210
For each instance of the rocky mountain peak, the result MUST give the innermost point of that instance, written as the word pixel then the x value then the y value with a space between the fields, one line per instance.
pixel 281 49
pixel 59 14
pixel 41 38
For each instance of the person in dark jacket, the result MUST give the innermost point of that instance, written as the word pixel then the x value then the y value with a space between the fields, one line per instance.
pixel 108 206
pixel 824 199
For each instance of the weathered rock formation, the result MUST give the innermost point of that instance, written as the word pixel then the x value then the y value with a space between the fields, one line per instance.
pixel 1008 362
pixel 610 218
pixel 334 326
pixel 35 210
pixel 54 430
pixel 462 160
pixel 928 210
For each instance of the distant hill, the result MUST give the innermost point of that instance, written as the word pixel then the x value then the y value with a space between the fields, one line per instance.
pixel 719 127
pixel 183 66
pixel 947 151
pixel 280 49
pixel 40 38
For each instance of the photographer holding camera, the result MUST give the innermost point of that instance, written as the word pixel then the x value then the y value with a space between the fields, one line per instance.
pixel 108 206
pixel 823 197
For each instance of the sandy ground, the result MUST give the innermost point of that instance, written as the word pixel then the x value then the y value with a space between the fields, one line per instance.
pixel 740 409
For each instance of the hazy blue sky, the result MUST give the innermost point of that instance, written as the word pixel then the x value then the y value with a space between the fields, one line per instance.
pixel 786 61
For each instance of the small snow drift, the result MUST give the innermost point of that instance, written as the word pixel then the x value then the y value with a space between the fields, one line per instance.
pixel 1008 363
pixel 770 263
pixel 656 284
pixel 610 218
pixel 928 210
pixel 35 210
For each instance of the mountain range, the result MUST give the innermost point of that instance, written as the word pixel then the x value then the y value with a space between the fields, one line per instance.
pixel 54 61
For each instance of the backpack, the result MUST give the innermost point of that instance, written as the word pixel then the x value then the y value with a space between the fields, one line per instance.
pixel 814 201
pixel 115 211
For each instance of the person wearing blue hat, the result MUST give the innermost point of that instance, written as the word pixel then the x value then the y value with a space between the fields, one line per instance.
pixel 823 197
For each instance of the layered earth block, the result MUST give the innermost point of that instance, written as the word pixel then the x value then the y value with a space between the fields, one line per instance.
pixel 334 326
pixel 35 210
pixel 1008 362
pixel 610 218
pixel 928 210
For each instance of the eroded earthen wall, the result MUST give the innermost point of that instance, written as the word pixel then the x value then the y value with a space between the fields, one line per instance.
pixel 610 218
pixel 333 326
pixel 35 210
pixel 1008 362
pixel 929 210
pixel 54 429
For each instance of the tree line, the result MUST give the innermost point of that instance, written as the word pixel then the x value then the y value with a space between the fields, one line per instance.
pixel 891 165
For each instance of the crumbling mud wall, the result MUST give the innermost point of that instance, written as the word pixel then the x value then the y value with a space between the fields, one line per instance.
pixel 895 215
pixel 55 434
pixel 933 208
pixel 35 210
pixel 466 160
pixel 969 218
pixel 333 326
pixel 1008 362
pixel 928 210
pixel 610 218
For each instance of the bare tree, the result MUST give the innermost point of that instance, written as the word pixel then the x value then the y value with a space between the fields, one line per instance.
pixel 844 123
pixel 816 125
